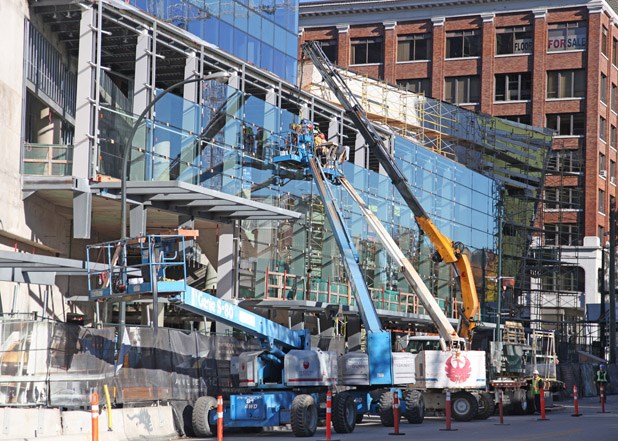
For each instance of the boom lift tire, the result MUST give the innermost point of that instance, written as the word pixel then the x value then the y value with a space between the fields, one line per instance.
pixel 344 413
pixel 464 406
pixel 304 416
pixel 487 406
pixel 385 409
pixel 200 417
pixel 415 407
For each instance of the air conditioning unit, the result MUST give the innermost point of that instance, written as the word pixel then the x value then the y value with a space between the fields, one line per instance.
pixel 612 180
pixel 603 173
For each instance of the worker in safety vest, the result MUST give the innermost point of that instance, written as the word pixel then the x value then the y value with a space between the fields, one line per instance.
pixel 537 385
pixel 601 379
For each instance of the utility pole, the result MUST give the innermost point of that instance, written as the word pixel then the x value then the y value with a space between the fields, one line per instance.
pixel 612 282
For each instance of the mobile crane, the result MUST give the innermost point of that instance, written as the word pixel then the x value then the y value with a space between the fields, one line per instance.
pixel 283 381
pixel 436 370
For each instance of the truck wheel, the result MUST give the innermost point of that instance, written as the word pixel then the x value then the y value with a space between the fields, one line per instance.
pixel 344 413
pixel 487 406
pixel 200 417
pixel 304 416
pixel 519 403
pixel 415 407
pixel 464 406
pixel 385 409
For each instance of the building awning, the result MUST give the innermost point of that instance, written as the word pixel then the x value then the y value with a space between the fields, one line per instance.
pixel 194 200
pixel 38 269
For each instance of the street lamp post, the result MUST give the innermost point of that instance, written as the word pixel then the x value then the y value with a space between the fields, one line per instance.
pixel 218 76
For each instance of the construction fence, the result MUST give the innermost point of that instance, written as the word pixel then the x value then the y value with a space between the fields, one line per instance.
pixel 58 365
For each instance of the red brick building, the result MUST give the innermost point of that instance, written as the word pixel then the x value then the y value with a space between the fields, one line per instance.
pixel 550 64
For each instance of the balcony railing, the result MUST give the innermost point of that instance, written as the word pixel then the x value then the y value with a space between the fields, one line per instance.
pixel 48 159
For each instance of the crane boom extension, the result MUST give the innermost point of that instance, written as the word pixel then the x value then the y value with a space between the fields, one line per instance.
pixel 379 340
pixel 448 251
pixel 445 329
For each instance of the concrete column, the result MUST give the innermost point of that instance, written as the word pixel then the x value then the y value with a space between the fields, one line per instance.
pixel 141 98
pixel 296 320
pixel 333 130
pixel 227 262
pixel 353 331
pixel 343 45
pixel 390 51
pixel 487 60
pixel 191 120
pixel 82 157
pixel 360 151
pixel 85 153
pixel 539 75
pixel 437 62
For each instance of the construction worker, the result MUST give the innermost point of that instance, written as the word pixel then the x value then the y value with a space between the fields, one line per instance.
pixel 601 379
pixel 537 385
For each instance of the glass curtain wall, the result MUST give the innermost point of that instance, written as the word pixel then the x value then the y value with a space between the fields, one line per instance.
pixel 262 32
pixel 227 144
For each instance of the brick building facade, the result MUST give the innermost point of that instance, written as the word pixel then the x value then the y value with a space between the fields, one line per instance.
pixel 552 66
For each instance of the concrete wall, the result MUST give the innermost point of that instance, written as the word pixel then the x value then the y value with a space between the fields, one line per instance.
pixel 31 219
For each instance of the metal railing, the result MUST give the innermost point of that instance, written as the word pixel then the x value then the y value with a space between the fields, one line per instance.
pixel 288 286
pixel 47 159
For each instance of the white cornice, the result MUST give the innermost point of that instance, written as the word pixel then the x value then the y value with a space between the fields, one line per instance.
pixel 343 28
pixel 540 13
pixel 330 13
pixel 488 17
pixel 438 21
pixel 389 25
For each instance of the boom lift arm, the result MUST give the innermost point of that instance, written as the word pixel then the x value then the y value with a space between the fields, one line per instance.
pixel 446 250
pixel 379 340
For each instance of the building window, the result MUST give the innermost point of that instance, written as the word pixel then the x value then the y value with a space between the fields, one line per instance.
pixel 513 86
pixel 601 201
pixel 567 124
pixel 366 50
pixel 566 83
pixel 521 119
pixel 603 87
pixel 565 279
pixel 417 85
pixel 330 49
pixel 602 128
pixel 462 44
pixel 413 47
pixel 566 36
pixel 614 50
pixel 564 161
pixel 612 171
pixel 602 166
pixel 517 40
pixel 604 41
pixel 562 198
pixel 612 136
pixel 459 90
pixel 562 234
pixel 613 97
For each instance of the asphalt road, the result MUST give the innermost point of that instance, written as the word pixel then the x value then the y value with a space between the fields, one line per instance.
pixel 592 425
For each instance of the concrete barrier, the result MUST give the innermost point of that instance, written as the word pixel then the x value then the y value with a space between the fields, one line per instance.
pixel 128 424
pixel 19 423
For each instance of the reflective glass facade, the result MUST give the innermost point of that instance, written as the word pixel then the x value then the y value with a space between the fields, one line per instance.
pixel 262 32
pixel 228 144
